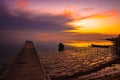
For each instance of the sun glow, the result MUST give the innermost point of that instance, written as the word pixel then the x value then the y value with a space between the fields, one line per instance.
pixel 95 25
pixel 86 24
pixel 88 43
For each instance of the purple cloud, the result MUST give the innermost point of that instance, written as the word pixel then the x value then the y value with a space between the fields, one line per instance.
pixel 27 21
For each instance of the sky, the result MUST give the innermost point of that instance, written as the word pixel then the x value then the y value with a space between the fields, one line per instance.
pixel 58 20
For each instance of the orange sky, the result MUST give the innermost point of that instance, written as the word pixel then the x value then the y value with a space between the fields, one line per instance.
pixel 89 20
pixel 59 20
pixel 105 22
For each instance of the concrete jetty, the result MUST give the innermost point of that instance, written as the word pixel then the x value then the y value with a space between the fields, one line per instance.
pixel 26 66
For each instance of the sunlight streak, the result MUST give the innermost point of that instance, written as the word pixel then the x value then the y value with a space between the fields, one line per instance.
pixel 86 44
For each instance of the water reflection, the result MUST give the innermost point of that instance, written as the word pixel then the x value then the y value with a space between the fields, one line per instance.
pixel 88 43
pixel 74 60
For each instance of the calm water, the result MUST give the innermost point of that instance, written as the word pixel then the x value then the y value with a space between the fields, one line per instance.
pixel 88 43
pixel 8 51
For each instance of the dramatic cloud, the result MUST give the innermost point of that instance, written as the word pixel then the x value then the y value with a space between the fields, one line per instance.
pixel 106 14
pixel 45 21
pixel 28 21
pixel 17 25
pixel 100 15
pixel 90 22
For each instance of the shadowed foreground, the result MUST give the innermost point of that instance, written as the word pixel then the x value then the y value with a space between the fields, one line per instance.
pixel 26 65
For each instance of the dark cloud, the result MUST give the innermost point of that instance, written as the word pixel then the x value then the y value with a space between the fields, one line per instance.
pixel 27 21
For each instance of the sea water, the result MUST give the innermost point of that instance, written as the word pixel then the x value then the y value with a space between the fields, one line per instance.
pixel 73 60
pixel 57 64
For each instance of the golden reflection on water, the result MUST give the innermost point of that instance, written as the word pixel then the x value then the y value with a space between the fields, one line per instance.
pixel 74 60
pixel 88 43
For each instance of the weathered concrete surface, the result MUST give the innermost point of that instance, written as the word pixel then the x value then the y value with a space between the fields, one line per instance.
pixel 26 66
